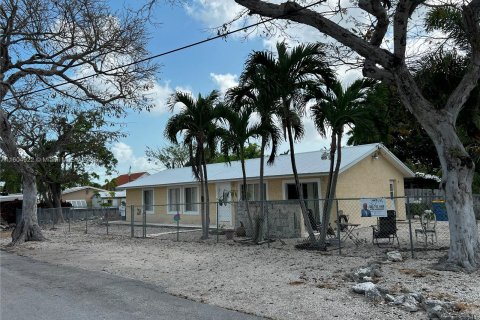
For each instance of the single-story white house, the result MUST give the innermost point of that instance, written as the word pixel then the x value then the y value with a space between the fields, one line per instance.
pixel 366 171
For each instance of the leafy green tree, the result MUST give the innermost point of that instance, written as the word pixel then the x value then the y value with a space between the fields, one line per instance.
pixel 196 121
pixel 292 73
pixel 337 109
pixel 11 177
pixel 252 151
pixel 171 157
pixel 87 147
pixel 45 46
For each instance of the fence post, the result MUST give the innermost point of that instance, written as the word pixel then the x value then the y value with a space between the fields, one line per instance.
pixel 132 221
pixel 144 223
pixel 338 230
pixel 410 225
pixel 86 221
pixel 68 217
pixel 107 213
pixel 268 227
pixel 178 224
pixel 217 220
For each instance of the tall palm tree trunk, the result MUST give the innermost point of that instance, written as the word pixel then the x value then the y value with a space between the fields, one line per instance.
pixel 299 188
pixel 207 196
pixel 261 219
pixel 335 177
pixel 328 194
pixel 244 196
pixel 202 202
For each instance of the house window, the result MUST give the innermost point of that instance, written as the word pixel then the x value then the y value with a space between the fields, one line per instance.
pixel 253 191
pixel 148 200
pixel 392 189
pixel 174 199
pixel 190 199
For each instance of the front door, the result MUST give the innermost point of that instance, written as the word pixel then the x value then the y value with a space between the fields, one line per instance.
pixel 224 198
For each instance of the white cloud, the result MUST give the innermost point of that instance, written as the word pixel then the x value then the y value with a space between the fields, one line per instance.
pixel 126 158
pixel 214 13
pixel 224 81
pixel 160 93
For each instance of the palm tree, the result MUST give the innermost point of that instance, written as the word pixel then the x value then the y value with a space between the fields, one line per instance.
pixel 255 92
pixel 234 139
pixel 335 110
pixel 196 121
pixel 291 73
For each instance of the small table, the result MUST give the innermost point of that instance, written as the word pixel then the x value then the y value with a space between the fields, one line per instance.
pixel 348 232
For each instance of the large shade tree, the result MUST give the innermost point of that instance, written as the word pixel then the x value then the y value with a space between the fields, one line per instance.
pixel 88 147
pixel 44 44
pixel 196 121
pixel 388 62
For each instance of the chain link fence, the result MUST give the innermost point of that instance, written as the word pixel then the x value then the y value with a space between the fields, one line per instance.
pixel 356 226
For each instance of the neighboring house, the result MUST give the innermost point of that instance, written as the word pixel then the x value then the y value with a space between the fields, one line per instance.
pixel 81 197
pixel 112 198
pixel 366 171
pixel 129 177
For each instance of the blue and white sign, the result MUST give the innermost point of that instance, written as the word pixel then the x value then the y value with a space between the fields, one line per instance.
pixel 373 207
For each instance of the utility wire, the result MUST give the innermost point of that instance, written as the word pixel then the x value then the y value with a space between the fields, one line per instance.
pixel 169 52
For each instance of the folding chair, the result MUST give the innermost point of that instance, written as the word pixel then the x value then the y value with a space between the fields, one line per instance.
pixel 386 228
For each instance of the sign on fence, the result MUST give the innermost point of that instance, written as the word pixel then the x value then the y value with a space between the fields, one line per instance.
pixel 373 207
pixel 440 210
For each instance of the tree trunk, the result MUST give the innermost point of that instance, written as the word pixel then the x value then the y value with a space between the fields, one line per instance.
pixel 207 196
pixel 458 170
pixel 299 188
pixel 56 195
pixel 28 229
pixel 245 198
pixel 328 196
pixel 333 189
pixel 261 218
pixel 202 203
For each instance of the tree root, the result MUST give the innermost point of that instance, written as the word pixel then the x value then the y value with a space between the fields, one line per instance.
pixel 444 264
pixel 22 234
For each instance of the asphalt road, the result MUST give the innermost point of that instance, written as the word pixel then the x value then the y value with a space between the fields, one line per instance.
pixel 37 290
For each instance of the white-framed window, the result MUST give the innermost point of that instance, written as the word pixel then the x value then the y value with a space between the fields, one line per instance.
pixel 184 200
pixel 174 200
pixel 148 200
pixel 253 191
pixel 190 196
pixel 78 203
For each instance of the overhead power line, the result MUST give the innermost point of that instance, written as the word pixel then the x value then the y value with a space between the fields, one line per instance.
pixel 170 51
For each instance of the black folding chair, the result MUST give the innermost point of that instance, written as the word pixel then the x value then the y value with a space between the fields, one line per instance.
pixel 386 228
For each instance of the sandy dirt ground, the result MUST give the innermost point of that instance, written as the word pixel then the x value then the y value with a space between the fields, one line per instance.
pixel 279 282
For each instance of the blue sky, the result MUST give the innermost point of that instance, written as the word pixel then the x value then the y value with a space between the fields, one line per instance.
pixel 213 65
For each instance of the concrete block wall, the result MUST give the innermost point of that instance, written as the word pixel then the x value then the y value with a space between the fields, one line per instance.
pixel 284 218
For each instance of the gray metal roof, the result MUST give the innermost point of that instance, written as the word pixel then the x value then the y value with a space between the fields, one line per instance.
pixel 116 194
pixel 74 189
pixel 308 163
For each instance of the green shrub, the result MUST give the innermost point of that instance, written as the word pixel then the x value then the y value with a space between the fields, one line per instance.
pixel 416 209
